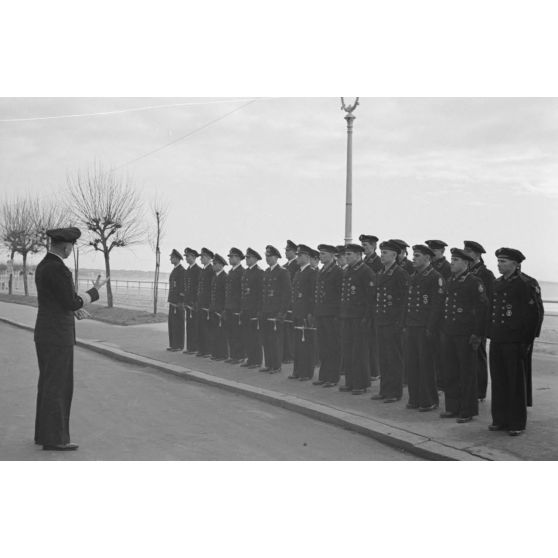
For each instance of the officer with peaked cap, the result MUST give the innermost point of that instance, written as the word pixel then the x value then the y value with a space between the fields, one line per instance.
pixel 327 295
pixel 513 326
pixel 251 306
pixel 341 257
pixel 478 269
pixel 217 333
pixel 372 260
pixel 233 297
pixel 422 322
pixel 439 262
pixel 276 298
pixel 55 338
pixel 464 324
pixel 302 303
pixel 203 302
pixel 176 303
pixel 355 311
pixel 191 282
pixel 391 298
pixel 288 338
pixel 402 259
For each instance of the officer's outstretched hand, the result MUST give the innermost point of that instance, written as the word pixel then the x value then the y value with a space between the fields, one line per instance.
pixel 98 283
pixel 475 341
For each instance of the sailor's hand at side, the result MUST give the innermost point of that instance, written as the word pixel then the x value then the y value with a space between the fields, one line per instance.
pixel 82 314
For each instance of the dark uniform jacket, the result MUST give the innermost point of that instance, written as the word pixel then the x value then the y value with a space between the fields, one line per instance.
pixel 465 306
pixel 303 287
pixel 515 314
pixel 251 299
pixel 407 265
pixel 373 262
pixel 57 300
pixel 204 287
pixel 425 300
pixel 534 285
pixel 292 267
pixel 486 276
pixel 218 290
pixel 357 292
pixel 442 266
pixel 191 280
pixel 391 296
pixel 327 294
pixel 233 290
pixel 177 285
pixel 276 291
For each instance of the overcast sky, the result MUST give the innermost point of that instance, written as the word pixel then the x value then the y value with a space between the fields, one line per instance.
pixel 454 169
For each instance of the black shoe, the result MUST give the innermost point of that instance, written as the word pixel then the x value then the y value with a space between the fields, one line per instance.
pixel 229 361
pixel 392 399
pixel 244 365
pixel 318 383
pixel 170 349
pixel 496 427
pixel 292 377
pixel 253 366
pixel 411 406
pixel 305 379
pixel 345 388
pixel 515 432
pixel 377 397
pixel 359 391
pixel 447 414
pixel 275 370
pixel 61 447
pixel 429 408
pixel 329 384
pixel 462 420
pixel 218 359
pixel 265 369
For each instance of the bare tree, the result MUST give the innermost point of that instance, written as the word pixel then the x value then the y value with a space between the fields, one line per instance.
pixel 18 232
pixel 159 209
pixel 111 211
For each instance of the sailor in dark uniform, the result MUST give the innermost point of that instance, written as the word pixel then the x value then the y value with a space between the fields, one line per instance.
pixel 372 260
pixel 218 336
pixel 176 303
pixel 464 323
pixel 203 301
pixel 302 297
pixel 276 298
pixel 233 297
pixel 402 259
pixel 55 337
pixel 478 269
pixel 251 305
pixel 422 322
pixel 326 312
pixel 314 259
pixel 191 281
pixel 514 323
pixel 439 263
pixel 442 266
pixel 355 311
pixel 536 293
pixel 288 332
pixel 391 300
pixel 341 258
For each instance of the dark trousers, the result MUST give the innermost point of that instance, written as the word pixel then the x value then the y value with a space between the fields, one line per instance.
pixel 191 330
pixel 54 394
pixel 482 370
pixel 391 361
pixel 507 372
pixel 176 327
pixel 252 340
pixel 373 353
pixel 234 336
pixel 304 352
pixel 288 340
pixel 439 360
pixel 529 374
pixel 460 366
pixel 272 339
pixel 355 352
pixel 421 372
pixel 204 325
pixel 329 346
pixel 218 338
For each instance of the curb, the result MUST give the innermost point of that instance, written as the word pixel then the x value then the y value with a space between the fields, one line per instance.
pixel 410 442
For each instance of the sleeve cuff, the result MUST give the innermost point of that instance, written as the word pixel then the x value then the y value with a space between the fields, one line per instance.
pixel 93 294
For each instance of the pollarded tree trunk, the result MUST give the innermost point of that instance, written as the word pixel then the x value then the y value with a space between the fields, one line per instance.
pixel 107 274
pixel 25 286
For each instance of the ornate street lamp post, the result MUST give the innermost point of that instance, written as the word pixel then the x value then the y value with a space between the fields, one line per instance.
pixel 349 117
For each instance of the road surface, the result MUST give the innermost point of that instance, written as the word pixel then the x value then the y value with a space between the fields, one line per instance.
pixel 122 412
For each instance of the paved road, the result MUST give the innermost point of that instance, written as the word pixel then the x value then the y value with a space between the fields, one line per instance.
pixel 120 412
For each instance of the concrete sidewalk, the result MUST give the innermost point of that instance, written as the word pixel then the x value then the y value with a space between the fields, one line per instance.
pixel 424 434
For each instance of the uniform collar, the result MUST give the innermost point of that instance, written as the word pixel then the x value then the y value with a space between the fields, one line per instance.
pixel 56 256
pixel 237 266
pixel 304 267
